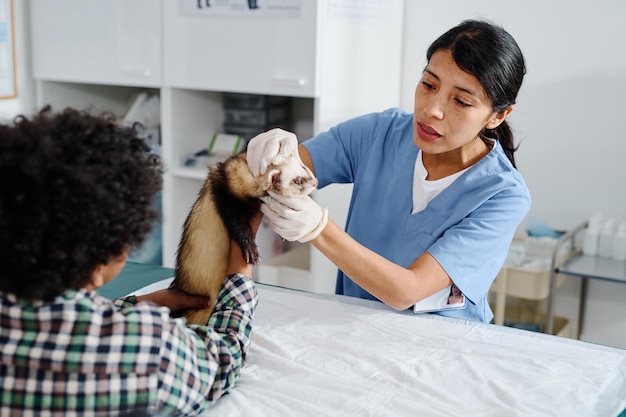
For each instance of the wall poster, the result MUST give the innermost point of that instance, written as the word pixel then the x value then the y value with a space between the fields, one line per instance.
pixel 242 8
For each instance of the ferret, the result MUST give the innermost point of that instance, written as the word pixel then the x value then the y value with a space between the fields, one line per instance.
pixel 223 210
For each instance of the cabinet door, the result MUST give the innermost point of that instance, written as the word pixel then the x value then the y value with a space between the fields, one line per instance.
pixel 254 51
pixel 95 41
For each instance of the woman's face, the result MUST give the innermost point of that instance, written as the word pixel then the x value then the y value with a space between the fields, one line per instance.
pixel 451 107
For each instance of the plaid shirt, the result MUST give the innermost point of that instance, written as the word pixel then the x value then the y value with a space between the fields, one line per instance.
pixel 84 355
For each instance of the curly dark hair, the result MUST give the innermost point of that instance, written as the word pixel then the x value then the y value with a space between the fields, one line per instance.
pixel 75 190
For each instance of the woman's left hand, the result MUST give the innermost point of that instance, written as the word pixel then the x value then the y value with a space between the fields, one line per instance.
pixel 296 218
pixel 175 299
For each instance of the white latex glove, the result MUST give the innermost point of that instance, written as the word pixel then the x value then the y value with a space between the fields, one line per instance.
pixel 294 218
pixel 264 147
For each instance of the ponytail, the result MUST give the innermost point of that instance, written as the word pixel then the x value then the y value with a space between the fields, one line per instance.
pixel 504 135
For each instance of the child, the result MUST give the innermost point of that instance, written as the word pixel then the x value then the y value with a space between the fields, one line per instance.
pixel 76 194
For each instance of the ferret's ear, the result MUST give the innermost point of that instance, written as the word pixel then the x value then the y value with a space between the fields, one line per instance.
pixel 272 178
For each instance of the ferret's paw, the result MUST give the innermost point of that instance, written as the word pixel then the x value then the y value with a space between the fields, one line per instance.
pixel 252 255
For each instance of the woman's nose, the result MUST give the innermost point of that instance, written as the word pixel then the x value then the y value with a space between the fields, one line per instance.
pixel 434 107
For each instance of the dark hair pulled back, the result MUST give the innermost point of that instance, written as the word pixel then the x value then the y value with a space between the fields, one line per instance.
pixel 490 54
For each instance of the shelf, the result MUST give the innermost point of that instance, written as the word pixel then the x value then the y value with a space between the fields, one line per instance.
pixel 528 284
pixel 92 97
pixel 595 267
pixel 523 316
pixel 191 173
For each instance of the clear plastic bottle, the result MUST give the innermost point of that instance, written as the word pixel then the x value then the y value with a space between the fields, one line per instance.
pixel 591 238
pixel 619 243
pixel 591 235
pixel 605 242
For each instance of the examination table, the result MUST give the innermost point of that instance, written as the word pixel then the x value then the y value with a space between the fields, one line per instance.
pixel 329 355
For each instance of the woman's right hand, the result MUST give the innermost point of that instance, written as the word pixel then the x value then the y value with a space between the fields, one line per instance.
pixel 263 148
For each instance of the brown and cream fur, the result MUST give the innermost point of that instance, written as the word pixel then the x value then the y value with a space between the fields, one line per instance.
pixel 225 206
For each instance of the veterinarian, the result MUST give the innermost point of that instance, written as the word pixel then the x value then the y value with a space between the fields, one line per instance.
pixel 437 196
pixel 76 194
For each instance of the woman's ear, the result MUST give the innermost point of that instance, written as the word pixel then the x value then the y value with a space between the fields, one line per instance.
pixel 498 118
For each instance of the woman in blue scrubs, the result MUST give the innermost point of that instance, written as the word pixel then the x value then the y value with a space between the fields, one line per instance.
pixel 436 197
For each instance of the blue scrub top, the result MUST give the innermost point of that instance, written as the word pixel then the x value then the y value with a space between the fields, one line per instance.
pixel 467 228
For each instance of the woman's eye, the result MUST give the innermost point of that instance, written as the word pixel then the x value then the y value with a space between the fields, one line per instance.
pixel 427 85
pixel 462 103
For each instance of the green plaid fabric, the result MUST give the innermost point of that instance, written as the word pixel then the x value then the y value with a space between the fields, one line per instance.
pixel 84 355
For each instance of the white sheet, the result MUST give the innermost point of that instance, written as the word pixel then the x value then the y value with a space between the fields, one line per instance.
pixel 315 355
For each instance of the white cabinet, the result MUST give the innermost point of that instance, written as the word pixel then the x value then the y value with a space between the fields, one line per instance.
pixel 249 54
pixel 336 59
pixel 115 42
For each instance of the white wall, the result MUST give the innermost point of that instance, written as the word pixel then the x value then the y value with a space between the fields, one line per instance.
pixel 569 118
pixel 24 103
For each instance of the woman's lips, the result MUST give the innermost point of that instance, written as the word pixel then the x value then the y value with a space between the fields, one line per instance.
pixel 427 133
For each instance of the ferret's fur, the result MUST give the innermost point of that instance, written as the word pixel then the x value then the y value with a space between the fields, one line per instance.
pixel 225 206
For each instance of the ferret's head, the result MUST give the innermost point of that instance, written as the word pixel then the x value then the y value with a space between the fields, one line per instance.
pixel 288 176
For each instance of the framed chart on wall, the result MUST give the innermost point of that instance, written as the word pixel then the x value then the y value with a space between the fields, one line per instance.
pixel 262 9
pixel 8 88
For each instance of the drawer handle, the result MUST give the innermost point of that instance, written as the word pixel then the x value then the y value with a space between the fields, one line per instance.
pixel 288 82
pixel 143 73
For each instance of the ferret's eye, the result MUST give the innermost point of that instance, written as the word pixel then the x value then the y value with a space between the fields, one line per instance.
pixel 298 181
